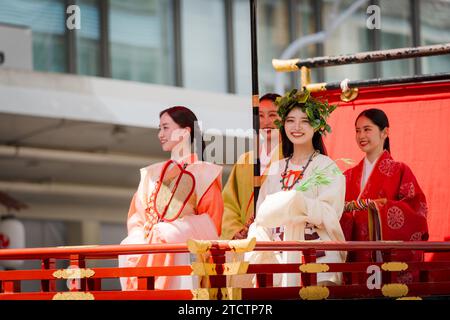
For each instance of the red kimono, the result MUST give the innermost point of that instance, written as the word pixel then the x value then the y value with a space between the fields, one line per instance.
pixel 403 216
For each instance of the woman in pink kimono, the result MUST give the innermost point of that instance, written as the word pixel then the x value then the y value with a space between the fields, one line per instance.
pixel 197 201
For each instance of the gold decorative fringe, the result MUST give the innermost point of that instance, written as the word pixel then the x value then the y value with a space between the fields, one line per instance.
pixel 204 294
pixel 314 293
pixel 73 296
pixel 410 298
pixel 203 269
pixel 245 245
pixel 349 95
pixel 198 246
pixel 314 267
pixel 231 293
pixel 233 268
pixel 394 290
pixel 75 273
pixel 394 266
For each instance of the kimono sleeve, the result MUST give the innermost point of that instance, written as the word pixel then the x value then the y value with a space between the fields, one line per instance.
pixel 135 222
pixel 212 203
pixel 324 211
pixel 405 218
pixel 232 220
pixel 135 226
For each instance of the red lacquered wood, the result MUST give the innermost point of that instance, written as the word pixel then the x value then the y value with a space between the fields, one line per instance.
pixel 354 288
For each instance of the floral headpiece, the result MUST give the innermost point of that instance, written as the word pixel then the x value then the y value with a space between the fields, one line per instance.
pixel 316 110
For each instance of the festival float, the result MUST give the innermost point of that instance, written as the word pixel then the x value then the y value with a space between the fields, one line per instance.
pixel 410 101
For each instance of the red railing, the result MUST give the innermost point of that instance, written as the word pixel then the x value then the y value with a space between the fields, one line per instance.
pixel 90 279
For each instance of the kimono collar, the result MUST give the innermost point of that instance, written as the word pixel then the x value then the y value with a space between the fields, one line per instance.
pixel 188 159
pixel 384 155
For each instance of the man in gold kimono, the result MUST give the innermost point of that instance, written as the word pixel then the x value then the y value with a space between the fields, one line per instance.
pixel 238 191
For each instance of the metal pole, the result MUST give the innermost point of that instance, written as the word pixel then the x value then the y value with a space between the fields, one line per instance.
pixel 316 87
pixel 105 52
pixel 255 103
pixel 363 57
pixel 71 43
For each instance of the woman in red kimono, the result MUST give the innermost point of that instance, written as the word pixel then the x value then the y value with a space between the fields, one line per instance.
pixel 383 199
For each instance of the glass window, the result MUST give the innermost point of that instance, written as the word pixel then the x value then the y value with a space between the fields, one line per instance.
pixel 435 28
pixel 141 40
pixel 47 22
pixel 305 26
pixel 203 45
pixel 88 38
pixel 273 39
pixel 396 32
pixel 242 53
pixel 304 19
pixel 351 36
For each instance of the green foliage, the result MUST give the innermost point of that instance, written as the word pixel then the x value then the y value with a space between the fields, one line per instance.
pixel 316 110
pixel 323 176
pixel 320 177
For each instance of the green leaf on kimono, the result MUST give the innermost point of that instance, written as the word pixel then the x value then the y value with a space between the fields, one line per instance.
pixel 336 171
pixel 320 177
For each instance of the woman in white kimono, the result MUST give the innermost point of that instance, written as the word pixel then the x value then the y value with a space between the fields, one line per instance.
pixel 303 195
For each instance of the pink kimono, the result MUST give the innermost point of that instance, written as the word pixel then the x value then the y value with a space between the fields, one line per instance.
pixel 200 219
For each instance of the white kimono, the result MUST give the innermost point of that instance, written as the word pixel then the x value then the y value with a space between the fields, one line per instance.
pixel 320 206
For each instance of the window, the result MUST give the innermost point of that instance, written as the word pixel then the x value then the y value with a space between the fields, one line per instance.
pixel 141 40
pixel 47 22
pixel 396 32
pixel 435 28
pixel 351 36
pixel 273 39
pixel 88 38
pixel 204 45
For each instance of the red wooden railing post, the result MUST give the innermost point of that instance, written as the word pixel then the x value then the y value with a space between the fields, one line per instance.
pixel 11 286
pixel 78 261
pixel 48 285
pixel 309 279
pixel 220 280
pixel 10 281
pixel 424 276
pixel 264 280
pixel 94 284
pixel 386 276
pixel 146 283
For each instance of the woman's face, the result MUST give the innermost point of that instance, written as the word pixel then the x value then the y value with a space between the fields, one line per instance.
pixel 369 137
pixel 297 127
pixel 170 133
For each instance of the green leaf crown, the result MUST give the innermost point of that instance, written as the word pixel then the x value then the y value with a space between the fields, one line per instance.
pixel 316 110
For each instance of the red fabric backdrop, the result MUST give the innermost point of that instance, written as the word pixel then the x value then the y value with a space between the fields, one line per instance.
pixel 419 118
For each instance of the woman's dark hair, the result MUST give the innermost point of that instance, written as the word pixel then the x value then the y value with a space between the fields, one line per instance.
pixel 269 96
pixel 380 119
pixel 288 146
pixel 185 118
